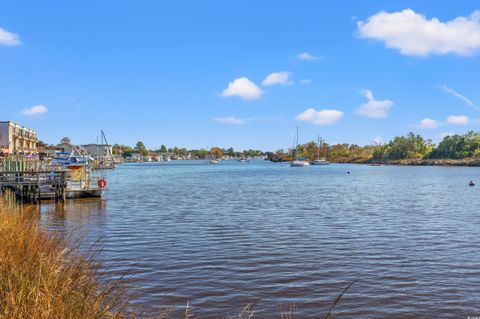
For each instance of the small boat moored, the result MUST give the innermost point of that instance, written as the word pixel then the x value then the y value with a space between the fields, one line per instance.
pixel 82 181
pixel 320 160
pixel 298 162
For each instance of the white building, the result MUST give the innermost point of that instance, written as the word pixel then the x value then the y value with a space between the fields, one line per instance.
pixel 17 139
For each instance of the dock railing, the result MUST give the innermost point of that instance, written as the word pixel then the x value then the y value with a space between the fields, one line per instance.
pixel 18 163
pixel 29 186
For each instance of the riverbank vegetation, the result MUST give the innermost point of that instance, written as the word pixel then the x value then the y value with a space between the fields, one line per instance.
pixel 42 277
pixel 411 149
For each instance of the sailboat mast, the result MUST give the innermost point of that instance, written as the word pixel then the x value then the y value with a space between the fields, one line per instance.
pixel 296 148
pixel 318 150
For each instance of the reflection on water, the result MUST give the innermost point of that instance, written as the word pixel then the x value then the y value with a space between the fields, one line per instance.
pixel 220 236
pixel 74 218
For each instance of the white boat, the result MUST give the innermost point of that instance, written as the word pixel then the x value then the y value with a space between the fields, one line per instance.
pixel 82 181
pixel 298 162
pixel 214 161
pixel 319 160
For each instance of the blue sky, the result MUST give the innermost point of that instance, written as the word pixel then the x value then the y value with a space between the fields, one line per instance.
pixel 159 71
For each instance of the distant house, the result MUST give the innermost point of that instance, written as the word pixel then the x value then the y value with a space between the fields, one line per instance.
pixel 17 139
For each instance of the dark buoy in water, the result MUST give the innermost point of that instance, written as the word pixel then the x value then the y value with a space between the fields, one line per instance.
pixel 472 183
pixel 348 172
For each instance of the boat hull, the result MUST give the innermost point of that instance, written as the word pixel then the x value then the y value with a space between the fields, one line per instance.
pixel 320 163
pixel 84 193
pixel 299 164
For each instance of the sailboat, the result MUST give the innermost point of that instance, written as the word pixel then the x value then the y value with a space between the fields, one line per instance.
pixel 105 161
pixel 319 160
pixel 298 162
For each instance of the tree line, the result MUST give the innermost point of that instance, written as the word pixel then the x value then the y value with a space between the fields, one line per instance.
pixel 140 148
pixel 410 146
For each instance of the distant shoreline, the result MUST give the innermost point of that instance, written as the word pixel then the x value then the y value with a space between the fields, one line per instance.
pixel 467 162
pixel 473 162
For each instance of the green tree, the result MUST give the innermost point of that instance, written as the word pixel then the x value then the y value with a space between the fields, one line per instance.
pixel 163 148
pixel 65 140
pixel 404 147
pixel 140 147
pixel 230 151
pixel 458 146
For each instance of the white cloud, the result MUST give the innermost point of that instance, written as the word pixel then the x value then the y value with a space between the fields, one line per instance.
pixel 374 108
pixel 458 120
pixel 275 78
pixel 8 38
pixel 244 88
pixel 459 96
pixel 34 110
pixel 322 117
pixel 413 34
pixel 305 56
pixel 305 81
pixel 428 123
pixel 231 120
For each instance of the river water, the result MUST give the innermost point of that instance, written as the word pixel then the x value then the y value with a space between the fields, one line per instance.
pixel 222 236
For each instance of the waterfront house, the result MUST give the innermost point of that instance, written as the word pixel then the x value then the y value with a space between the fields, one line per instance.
pixel 17 139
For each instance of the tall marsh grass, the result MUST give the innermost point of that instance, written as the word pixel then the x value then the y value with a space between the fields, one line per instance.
pixel 41 277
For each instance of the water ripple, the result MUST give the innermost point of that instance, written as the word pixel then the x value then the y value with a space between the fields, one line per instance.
pixel 220 236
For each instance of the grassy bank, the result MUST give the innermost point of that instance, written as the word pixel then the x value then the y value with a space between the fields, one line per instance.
pixel 41 277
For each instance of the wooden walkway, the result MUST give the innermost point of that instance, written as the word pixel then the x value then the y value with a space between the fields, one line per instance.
pixel 32 187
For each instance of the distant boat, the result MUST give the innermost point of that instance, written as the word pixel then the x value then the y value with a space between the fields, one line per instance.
pixel 214 161
pixel 319 160
pixel 298 162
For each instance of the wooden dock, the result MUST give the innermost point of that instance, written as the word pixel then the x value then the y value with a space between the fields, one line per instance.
pixel 33 186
